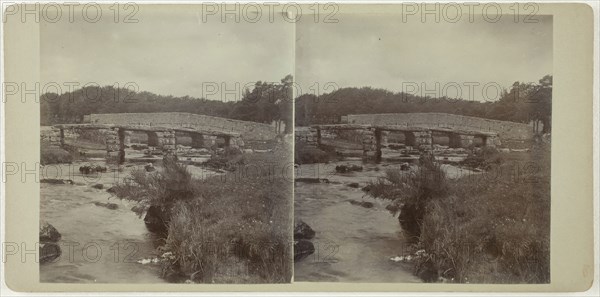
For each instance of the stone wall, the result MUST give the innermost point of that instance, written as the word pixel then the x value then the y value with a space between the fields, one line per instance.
pixel 505 130
pixel 248 130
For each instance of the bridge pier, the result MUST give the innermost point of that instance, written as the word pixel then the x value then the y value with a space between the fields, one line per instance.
pixel 369 140
pixel 167 140
pixel 491 141
pixel 419 139
pixel 112 140
pixel 122 138
pixel 62 137
pixel 233 142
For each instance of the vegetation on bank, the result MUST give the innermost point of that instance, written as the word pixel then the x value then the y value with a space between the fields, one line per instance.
pixel 307 154
pixel 483 228
pixel 233 228
pixel 54 155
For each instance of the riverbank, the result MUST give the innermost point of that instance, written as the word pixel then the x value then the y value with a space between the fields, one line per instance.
pixel 230 228
pixel 492 227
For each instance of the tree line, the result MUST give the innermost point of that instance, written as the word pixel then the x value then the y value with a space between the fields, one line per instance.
pixel 265 103
pixel 523 103
pixel 269 103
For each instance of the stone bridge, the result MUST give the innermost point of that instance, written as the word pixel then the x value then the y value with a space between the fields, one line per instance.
pixel 162 138
pixel 246 129
pixel 373 137
pixel 504 129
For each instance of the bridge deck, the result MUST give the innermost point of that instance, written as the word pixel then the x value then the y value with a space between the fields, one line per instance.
pixel 143 128
pixel 402 128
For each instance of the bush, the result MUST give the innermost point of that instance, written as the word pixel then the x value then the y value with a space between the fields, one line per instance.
pixel 230 159
pixel 479 228
pixel 54 155
pixel 485 158
pixel 219 230
pixel 305 154
pixel 217 227
pixel 411 193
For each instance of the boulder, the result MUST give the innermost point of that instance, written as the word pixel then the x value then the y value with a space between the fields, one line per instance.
pixel 347 168
pixel 149 167
pixel 404 166
pixel 49 252
pixel 98 186
pixel 111 190
pixel 48 233
pixel 364 204
pixel 89 169
pixel 302 249
pixel 55 181
pixel 353 185
pixel 156 220
pixel 312 180
pixel 303 230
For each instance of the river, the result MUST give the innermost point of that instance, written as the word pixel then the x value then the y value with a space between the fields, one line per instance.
pixel 99 245
pixel 352 243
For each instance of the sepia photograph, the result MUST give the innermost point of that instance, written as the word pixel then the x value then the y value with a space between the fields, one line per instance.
pixel 166 149
pixel 285 148
pixel 425 157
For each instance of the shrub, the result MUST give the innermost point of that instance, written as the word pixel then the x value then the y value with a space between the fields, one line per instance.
pixel 54 155
pixel 476 229
pixel 305 154
pixel 219 230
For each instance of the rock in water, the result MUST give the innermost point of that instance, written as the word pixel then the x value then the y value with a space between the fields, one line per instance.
pixel 367 188
pixel 112 206
pixel 364 204
pixel 98 186
pixel 353 185
pixel 149 167
pixel 49 252
pixel 56 181
pixel 302 249
pixel 347 168
pixel 303 231
pixel 48 233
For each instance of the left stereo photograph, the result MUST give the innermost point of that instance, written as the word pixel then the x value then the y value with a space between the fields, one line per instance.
pixel 166 148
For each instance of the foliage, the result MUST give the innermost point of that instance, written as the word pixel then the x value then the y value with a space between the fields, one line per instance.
pixel 54 155
pixel 267 102
pixel 305 154
pixel 524 102
pixel 220 229
pixel 485 228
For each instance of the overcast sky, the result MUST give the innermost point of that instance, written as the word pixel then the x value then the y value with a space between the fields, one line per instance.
pixel 382 51
pixel 170 51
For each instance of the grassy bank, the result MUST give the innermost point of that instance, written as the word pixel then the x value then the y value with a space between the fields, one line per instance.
pixel 54 155
pixel 233 228
pixel 486 228
pixel 307 154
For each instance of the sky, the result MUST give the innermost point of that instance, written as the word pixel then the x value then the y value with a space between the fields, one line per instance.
pixel 171 51
pixel 382 51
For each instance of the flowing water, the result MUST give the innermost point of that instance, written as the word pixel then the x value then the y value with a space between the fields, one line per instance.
pixel 352 243
pixel 99 245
